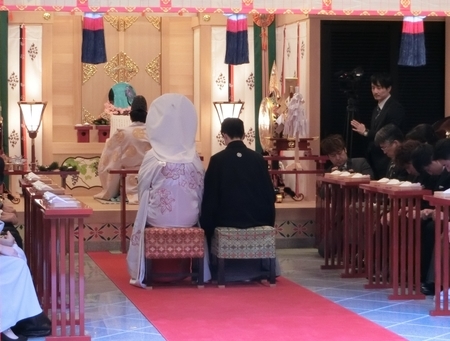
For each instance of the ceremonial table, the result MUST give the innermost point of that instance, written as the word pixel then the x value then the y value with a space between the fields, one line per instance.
pixel 393 239
pixel 343 224
pixel 62 174
pixel 62 294
pixel 441 254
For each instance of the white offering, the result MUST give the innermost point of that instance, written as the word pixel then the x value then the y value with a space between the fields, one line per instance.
pixel 394 182
pixel 383 180
pixel 442 194
pixel 336 172
pixel 359 176
pixel 32 177
pixel 345 174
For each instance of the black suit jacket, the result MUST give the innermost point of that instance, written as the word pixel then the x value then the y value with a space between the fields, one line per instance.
pixel 394 113
pixel 238 190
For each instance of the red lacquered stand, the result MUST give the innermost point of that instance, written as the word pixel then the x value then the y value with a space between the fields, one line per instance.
pixel 123 205
pixel 406 239
pixel 401 236
pixel 343 225
pixel 376 206
pixel 62 286
pixel 83 133
pixel 441 254
pixel 103 132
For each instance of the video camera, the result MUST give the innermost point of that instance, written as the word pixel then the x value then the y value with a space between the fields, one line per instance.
pixel 348 81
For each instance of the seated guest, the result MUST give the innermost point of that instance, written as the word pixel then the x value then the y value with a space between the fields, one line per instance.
pixel 238 193
pixel 170 179
pixel 423 133
pixel 442 153
pixel 17 294
pixel 423 160
pixel 334 147
pixel 422 157
pixel 389 138
pixel 125 149
pixel 403 158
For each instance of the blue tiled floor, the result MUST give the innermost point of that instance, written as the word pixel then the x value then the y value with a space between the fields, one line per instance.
pixel 110 316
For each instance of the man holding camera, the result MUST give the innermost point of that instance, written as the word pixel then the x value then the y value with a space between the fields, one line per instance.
pixel 387 111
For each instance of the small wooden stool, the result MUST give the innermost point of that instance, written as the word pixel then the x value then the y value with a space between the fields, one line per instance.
pixel 174 242
pixel 251 243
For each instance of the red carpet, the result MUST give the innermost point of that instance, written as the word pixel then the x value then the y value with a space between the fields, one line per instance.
pixel 241 312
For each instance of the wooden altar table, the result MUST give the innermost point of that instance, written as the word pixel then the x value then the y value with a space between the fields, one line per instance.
pixel 441 254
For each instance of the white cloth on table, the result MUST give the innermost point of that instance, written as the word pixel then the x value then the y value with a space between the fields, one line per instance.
pixel 170 178
pixel 125 149
pixel 17 294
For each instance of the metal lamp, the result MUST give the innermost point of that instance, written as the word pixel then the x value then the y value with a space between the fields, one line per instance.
pixel 228 109
pixel 32 117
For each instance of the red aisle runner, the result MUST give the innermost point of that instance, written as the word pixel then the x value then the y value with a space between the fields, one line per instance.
pixel 241 312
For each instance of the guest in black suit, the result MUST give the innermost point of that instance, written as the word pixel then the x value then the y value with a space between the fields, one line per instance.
pixel 424 160
pixel 334 147
pixel 389 139
pixel 387 111
pixel 423 133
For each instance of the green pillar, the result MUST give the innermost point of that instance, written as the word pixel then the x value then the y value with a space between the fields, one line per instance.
pixel 271 45
pixel 4 79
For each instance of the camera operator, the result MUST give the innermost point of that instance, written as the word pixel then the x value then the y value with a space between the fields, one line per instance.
pixel 387 111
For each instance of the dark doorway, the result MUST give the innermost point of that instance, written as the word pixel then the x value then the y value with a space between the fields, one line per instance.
pixel 374 47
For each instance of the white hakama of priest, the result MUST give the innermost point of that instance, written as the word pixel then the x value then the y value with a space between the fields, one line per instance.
pixel 18 298
pixel 125 149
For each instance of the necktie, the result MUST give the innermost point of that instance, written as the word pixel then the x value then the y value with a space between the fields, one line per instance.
pixel 378 112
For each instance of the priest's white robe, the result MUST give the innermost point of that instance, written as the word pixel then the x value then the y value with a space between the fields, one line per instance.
pixel 125 149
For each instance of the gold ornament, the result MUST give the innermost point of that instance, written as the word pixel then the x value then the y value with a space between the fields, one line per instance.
pixel 89 71
pixel 121 68
pixel 120 23
pixel 87 116
pixel 155 21
pixel 154 69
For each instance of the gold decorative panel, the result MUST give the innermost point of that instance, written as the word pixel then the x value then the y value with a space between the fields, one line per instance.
pixel 155 21
pixel 121 68
pixel 87 116
pixel 89 71
pixel 120 23
pixel 153 68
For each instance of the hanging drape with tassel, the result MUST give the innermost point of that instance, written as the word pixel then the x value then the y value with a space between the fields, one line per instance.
pixel 412 46
pixel 93 47
pixel 237 40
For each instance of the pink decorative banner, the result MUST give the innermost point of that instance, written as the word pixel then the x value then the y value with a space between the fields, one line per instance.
pixel 322 7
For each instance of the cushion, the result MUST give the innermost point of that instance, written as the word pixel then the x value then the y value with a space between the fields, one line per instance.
pixel 174 242
pixel 253 242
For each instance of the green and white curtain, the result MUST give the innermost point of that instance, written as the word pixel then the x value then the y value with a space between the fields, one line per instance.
pixel 24 83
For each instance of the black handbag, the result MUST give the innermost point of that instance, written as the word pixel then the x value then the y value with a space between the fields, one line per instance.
pixel 35 326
